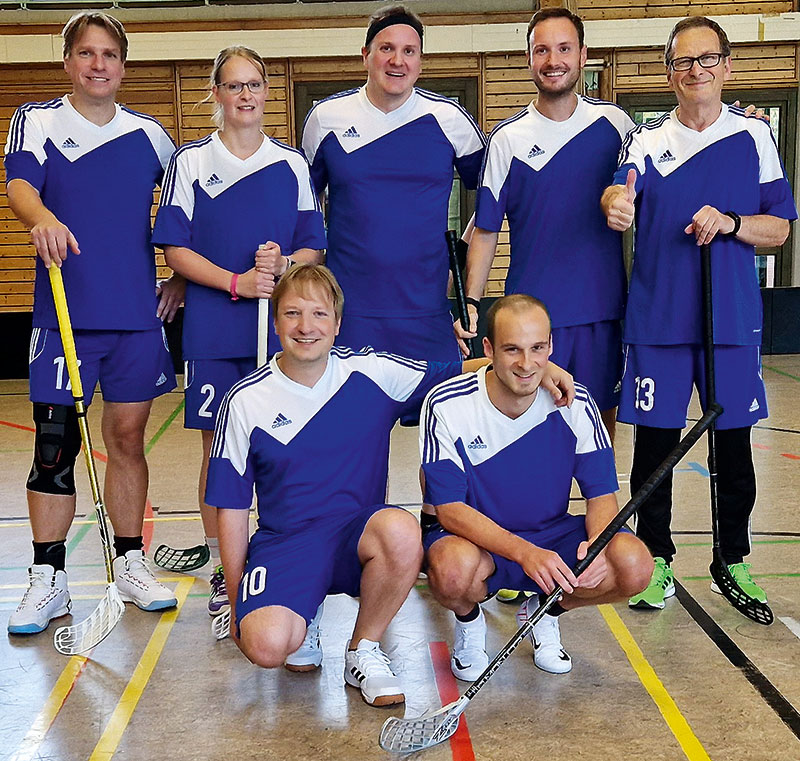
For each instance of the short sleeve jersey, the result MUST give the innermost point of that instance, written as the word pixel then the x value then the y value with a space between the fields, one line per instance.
pixel 314 452
pixel 99 182
pixel 732 165
pixel 517 472
pixel 389 178
pixel 223 207
pixel 547 178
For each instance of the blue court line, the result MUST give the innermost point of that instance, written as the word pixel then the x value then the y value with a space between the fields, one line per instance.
pixel 696 466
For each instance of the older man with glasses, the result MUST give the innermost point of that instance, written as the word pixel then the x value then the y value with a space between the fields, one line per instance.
pixel 703 172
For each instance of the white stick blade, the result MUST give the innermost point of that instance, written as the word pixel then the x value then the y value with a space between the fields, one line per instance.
pixel 83 636
pixel 221 625
pixel 432 728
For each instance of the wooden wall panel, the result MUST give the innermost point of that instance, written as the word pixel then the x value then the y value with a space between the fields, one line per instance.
pixel 773 65
pixel 149 89
pixel 593 10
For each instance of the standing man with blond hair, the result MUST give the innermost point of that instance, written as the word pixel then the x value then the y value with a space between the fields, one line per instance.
pixel 81 171
pixel 704 172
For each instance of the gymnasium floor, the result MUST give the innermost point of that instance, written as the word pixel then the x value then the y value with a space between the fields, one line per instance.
pixel 696 681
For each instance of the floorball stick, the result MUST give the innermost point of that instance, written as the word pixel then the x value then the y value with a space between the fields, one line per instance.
pixel 458 288
pixel 436 726
pixel 83 636
pixel 754 609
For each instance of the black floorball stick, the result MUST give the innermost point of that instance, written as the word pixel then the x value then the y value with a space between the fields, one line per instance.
pixel 754 609
pixel 434 727
pixel 458 287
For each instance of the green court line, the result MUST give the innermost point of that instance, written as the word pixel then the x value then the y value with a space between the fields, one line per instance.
pixel 755 541
pixel 758 576
pixel 782 372
pixel 83 530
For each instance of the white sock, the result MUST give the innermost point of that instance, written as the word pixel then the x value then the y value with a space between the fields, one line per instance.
pixel 213 546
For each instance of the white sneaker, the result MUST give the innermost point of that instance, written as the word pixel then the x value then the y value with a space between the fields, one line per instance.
pixel 136 583
pixel 367 667
pixel 469 659
pixel 46 598
pixel 308 656
pixel 548 655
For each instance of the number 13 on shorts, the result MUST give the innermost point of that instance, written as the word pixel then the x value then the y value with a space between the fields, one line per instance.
pixel 644 393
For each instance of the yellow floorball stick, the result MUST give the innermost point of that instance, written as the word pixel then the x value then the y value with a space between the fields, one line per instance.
pixel 83 636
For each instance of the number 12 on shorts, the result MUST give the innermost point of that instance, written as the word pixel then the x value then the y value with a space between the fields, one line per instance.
pixel 254 582
pixel 645 393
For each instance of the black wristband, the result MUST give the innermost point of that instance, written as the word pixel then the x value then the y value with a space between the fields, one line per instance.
pixel 737 222
pixel 473 302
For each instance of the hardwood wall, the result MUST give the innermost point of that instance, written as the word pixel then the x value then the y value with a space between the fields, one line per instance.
pixel 172 93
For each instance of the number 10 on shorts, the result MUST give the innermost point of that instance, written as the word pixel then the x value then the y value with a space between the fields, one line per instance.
pixel 645 393
pixel 254 582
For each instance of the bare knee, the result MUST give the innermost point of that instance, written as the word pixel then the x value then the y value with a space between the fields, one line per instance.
pixel 123 430
pixel 632 563
pixel 269 647
pixel 394 535
pixel 452 568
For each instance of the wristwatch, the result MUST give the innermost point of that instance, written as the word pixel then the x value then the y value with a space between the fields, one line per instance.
pixel 737 222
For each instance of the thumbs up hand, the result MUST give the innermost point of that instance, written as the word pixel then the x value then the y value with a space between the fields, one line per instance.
pixel 617 203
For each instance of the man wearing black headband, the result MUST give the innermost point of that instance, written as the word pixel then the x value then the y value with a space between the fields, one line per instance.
pixel 386 153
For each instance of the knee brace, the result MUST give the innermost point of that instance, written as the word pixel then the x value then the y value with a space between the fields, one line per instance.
pixel 57 444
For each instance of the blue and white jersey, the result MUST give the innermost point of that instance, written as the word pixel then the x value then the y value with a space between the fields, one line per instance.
pixel 733 165
pixel 516 472
pixel 223 208
pixel 389 178
pixel 314 452
pixel 99 182
pixel 547 177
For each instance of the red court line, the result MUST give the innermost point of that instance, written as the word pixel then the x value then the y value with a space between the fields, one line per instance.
pixel 790 456
pixel 147 529
pixel 460 743
pixel 760 446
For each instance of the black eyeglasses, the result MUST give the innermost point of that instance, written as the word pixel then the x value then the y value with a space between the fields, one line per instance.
pixel 234 88
pixel 707 61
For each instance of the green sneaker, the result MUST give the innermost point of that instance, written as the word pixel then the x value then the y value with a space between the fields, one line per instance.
pixel 511 596
pixel 741 575
pixel 661 586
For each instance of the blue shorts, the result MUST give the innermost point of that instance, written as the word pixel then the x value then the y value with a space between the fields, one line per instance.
pixel 593 354
pixel 131 366
pixel 297 570
pixel 206 381
pixel 657 385
pixel 429 338
pixel 563 537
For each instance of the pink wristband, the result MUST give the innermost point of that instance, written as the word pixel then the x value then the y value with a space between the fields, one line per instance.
pixel 234 278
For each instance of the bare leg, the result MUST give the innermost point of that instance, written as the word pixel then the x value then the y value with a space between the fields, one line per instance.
pixel 125 488
pixel 390 551
pixel 609 418
pixel 269 635
pixel 207 512
pixel 51 515
pixel 457 573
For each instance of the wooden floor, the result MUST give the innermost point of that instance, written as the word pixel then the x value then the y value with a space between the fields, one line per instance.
pixel 695 681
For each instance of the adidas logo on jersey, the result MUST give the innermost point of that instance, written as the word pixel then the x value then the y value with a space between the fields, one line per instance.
pixel 69 143
pixel 666 156
pixel 755 406
pixel 280 420
pixel 476 443
pixel 213 180
pixel 162 379
pixel 352 132
pixel 535 151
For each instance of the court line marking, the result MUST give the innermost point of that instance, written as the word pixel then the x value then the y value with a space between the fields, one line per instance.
pixel 691 746
pixel 460 742
pixel 92 522
pixel 769 693
pixel 791 624
pixel 112 735
pixel 29 747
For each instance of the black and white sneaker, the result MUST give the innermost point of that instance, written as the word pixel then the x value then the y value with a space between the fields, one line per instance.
pixel 469 659
pixel 548 654
pixel 367 667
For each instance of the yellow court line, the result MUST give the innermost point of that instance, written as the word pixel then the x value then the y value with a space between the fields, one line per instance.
pixel 97 583
pixel 110 739
pixel 29 747
pixel 26 524
pixel 677 724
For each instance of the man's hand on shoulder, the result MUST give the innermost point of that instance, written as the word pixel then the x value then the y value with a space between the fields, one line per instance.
pixel 559 384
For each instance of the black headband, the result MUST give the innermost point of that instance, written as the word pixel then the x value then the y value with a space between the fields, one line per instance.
pixel 395 18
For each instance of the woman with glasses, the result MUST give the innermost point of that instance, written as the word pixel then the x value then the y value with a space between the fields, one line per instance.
pixel 237 210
